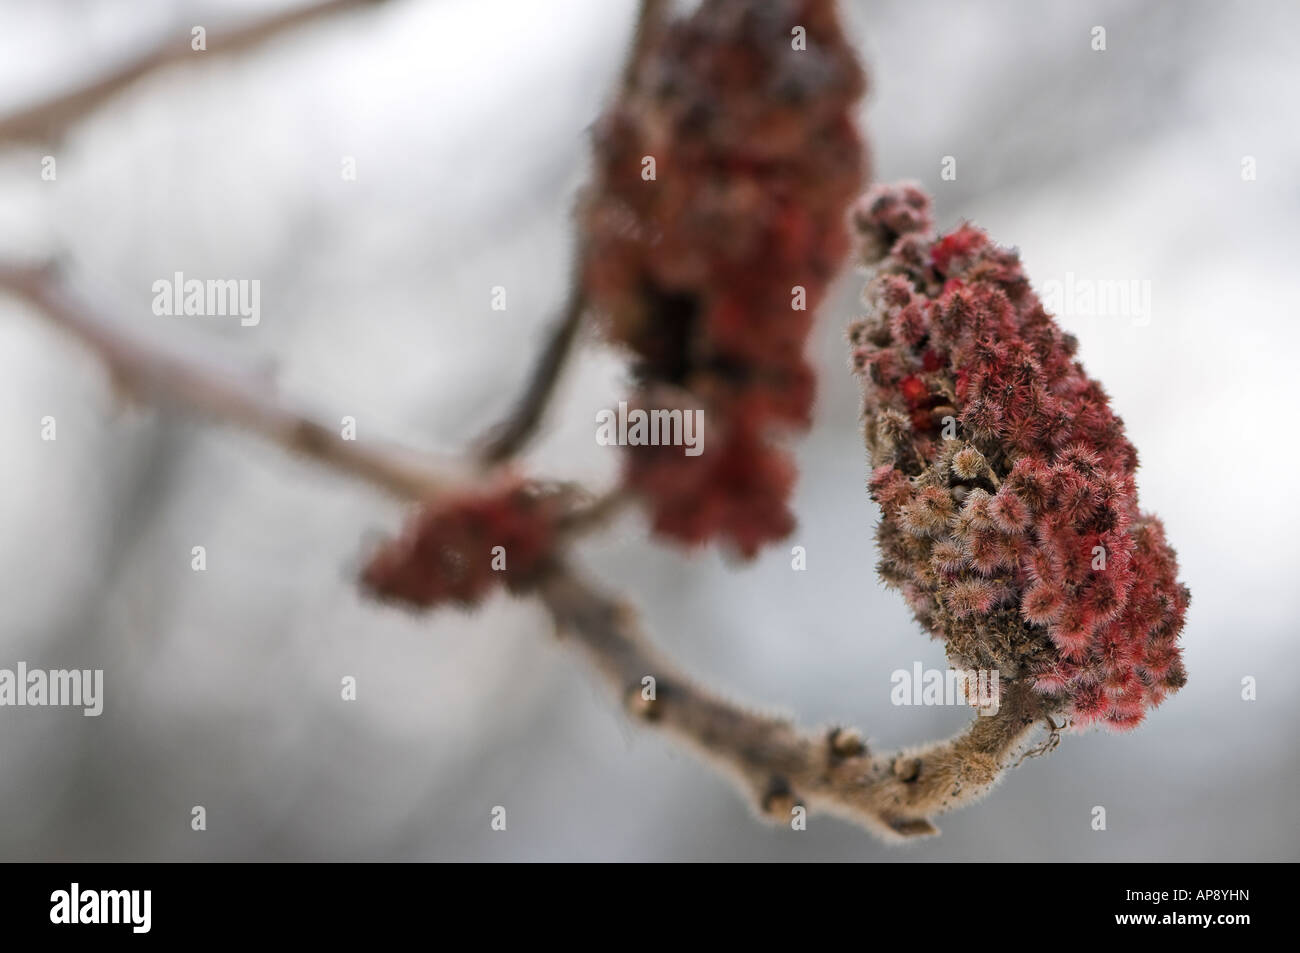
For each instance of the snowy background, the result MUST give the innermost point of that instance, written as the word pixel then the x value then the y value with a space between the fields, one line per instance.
pixel 468 121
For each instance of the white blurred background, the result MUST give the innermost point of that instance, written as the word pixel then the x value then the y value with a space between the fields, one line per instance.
pixel 468 121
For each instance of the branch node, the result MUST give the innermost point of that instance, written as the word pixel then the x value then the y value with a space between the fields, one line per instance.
pixel 778 799
pixel 846 743
pixel 907 769
pixel 637 704
pixel 912 827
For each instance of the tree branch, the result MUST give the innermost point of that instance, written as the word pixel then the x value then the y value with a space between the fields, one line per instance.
pixel 894 795
pixel 509 436
pixel 147 371
pixel 49 118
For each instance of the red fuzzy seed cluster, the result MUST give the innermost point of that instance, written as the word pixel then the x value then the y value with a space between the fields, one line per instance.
pixel 448 552
pixel 755 162
pixel 1010 511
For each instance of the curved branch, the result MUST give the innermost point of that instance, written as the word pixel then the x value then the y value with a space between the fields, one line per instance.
pixel 893 795
pixel 49 118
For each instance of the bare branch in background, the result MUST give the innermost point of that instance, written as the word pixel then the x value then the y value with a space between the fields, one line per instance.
pixel 49 118
pixel 227 395
pixel 146 371
pixel 509 436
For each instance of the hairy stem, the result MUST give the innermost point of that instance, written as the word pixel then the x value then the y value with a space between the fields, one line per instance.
pixel 894 795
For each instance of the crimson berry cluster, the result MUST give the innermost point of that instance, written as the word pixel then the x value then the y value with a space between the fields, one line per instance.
pixel 709 272
pixel 1010 509
pixel 455 550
